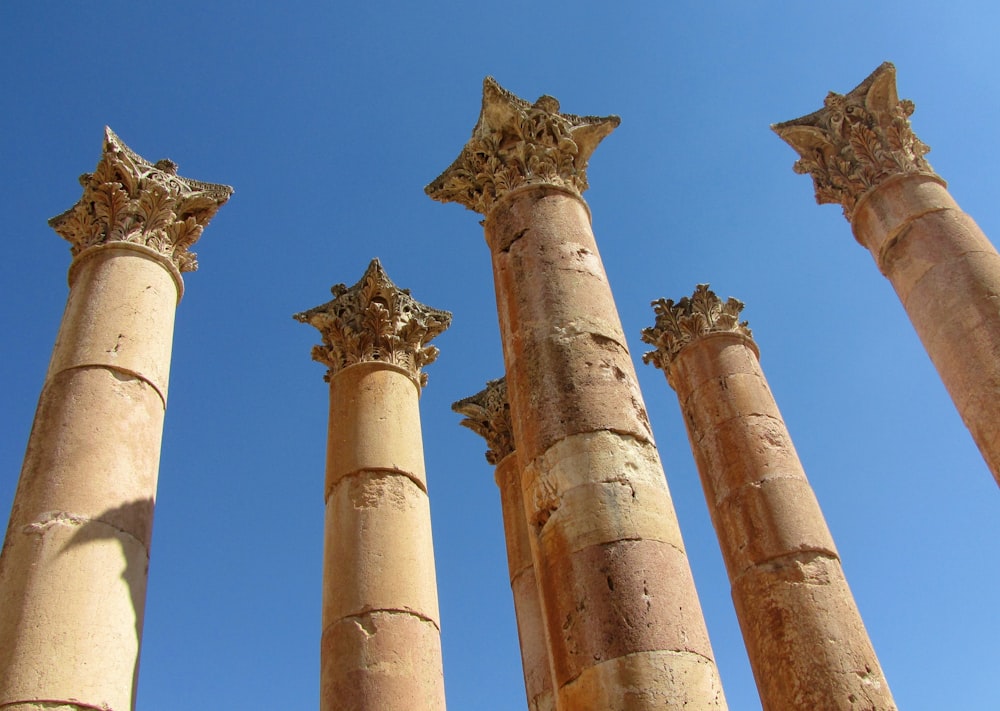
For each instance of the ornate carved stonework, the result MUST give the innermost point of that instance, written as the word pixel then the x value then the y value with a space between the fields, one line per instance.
pixel 516 143
pixel 487 413
pixel 375 320
pixel 677 324
pixel 127 199
pixel 856 140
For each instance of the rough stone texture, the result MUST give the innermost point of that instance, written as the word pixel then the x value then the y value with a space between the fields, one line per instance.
pixel 488 414
pixel 381 643
pixel 807 644
pixel 381 646
pixel 947 275
pixel 861 152
pixel 607 595
pixel 378 661
pixel 611 568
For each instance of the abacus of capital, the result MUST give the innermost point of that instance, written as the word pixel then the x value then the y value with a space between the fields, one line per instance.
pixel 381 642
pixel 487 413
pixel 807 644
pixel 861 153
pixel 74 561
pixel 622 615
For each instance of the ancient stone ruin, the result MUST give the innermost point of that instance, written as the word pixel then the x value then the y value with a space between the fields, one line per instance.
pixel 607 612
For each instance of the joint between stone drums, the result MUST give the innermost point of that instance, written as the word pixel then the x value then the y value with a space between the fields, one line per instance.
pixel 381 365
pixel 68 703
pixel 375 470
pixel 373 611
pixel 143 250
pixel 114 369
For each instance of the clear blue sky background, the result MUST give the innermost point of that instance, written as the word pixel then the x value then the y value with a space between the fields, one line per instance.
pixel 328 119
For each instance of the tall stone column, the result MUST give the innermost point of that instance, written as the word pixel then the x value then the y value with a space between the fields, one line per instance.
pixel 74 562
pixel 806 641
pixel 623 617
pixel 862 154
pixel 381 643
pixel 487 413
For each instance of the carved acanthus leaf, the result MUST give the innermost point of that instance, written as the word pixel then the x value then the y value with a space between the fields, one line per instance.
pixel 856 140
pixel 487 413
pixel 127 199
pixel 677 324
pixel 516 143
pixel 374 320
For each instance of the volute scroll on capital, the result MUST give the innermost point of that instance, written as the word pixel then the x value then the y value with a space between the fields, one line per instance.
pixel 856 141
pixel 128 199
pixel 693 317
pixel 487 413
pixel 515 144
pixel 375 321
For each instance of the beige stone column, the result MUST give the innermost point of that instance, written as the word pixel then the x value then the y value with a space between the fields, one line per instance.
pixel 487 413
pixel 862 154
pixel 807 644
pixel 74 562
pixel 623 617
pixel 381 643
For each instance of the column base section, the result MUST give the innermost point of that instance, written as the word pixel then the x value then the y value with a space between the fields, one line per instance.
pixel 647 680
pixel 382 661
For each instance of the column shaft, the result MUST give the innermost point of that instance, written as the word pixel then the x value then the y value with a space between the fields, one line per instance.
pixel 806 641
pixel 947 276
pixel 621 610
pixel 73 570
pixel 381 647
pixel 531 630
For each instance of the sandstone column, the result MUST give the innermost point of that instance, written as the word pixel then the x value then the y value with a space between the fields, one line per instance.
pixel 381 644
pixel 807 644
pixel 622 614
pixel 487 413
pixel 74 562
pixel 862 154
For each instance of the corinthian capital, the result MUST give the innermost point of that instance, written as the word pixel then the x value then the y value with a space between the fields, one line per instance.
pixel 856 140
pixel 487 413
pixel 516 143
pixel 128 199
pixel 677 324
pixel 374 320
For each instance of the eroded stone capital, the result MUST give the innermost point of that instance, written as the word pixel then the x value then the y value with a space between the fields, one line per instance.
pixel 487 413
pixel 856 141
pixel 128 199
pixel 693 317
pixel 516 143
pixel 375 320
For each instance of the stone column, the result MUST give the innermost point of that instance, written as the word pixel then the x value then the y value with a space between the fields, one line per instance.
pixel 623 617
pixel 381 643
pixel 807 644
pixel 487 413
pixel 74 562
pixel 862 154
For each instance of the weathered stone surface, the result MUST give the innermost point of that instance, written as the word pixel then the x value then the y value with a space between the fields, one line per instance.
pixel 378 545
pixel 660 680
pixel 807 644
pixel 374 423
pixel 381 646
pixel 488 414
pixel 73 567
pixel 861 152
pixel 570 376
pixel 380 661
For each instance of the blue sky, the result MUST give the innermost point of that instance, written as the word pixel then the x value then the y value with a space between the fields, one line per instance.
pixel 328 119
